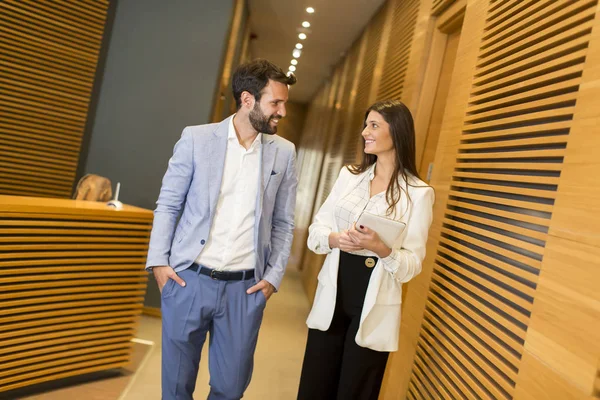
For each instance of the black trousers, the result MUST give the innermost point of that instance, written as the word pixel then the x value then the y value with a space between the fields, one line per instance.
pixel 335 367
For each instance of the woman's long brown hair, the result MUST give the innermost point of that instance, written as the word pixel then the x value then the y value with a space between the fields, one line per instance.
pixel 402 130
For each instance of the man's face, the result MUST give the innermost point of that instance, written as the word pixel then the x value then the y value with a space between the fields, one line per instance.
pixel 267 112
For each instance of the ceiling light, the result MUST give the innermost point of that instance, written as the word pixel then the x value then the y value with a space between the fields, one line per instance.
pixel 294 62
pixel 310 10
pixel 306 24
pixel 289 73
pixel 302 36
pixel 299 46
pixel 292 68
pixel 296 53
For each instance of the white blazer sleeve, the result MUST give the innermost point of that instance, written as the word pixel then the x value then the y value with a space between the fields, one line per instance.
pixel 324 222
pixel 404 263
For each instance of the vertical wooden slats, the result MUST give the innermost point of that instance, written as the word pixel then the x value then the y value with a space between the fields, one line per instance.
pixel 439 6
pixel 372 36
pixel 49 55
pixel 398 49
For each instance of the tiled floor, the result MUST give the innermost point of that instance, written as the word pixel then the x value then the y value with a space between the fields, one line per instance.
pixel 278 358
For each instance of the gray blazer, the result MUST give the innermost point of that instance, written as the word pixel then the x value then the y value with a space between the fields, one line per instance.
pixel 190 190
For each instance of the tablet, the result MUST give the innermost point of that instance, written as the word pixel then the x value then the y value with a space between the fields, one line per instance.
pixel 388 230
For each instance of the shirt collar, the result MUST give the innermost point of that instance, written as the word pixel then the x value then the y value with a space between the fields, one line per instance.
pixel 232 135
pixel 231 132
pixel 372 171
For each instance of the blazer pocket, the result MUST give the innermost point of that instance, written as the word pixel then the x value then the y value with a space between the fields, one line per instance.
pixel 274 180
pixel 180 232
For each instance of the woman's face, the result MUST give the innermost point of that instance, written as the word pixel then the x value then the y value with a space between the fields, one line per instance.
pixel 377 135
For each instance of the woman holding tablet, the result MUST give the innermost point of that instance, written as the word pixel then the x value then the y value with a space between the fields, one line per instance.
pixel 355 318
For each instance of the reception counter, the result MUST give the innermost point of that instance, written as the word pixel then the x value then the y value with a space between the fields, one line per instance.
pixel 72 286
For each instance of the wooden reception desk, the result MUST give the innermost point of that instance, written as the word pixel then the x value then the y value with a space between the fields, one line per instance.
pixel 72 285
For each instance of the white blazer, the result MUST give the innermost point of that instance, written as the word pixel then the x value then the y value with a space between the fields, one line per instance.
pixel 380 318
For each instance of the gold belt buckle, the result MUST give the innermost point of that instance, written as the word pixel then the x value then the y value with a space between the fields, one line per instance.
pixel 369 262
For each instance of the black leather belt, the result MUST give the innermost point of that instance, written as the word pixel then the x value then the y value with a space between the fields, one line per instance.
pixel 224 275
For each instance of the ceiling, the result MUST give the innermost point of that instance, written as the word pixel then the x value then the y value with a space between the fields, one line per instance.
pixel 335 25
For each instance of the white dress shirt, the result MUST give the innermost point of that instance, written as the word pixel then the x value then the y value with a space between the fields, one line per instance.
pixel 230 244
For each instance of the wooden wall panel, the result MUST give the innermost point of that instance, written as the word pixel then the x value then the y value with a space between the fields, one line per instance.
pixel 313 177
pixel 309 161
pixel 50 52
pixel 335 136
pixel 562 346
pixel 398 50
pixel 426 148
pixel 237 49
pixel 439 6
pixel 72 285
pixel 398 373
pixel 502 315
pixel 374 36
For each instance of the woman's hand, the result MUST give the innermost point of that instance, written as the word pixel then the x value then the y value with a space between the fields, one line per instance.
pixel 368 239
pixel 343 242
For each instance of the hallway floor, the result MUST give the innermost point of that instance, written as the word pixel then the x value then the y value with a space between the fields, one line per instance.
pixel 278 358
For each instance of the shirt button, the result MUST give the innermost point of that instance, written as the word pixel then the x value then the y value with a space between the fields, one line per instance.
pixel 202 241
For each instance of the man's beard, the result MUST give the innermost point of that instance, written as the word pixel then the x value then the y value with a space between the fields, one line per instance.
pixel 260 122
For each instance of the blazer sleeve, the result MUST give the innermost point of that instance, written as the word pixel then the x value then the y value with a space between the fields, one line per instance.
pixel 404 263
pixel 173 192
pixel 324 222
pixel 282 231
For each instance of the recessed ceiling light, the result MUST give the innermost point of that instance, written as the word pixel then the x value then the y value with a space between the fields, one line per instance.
pixel 294 62
pixel 302 36
pixel 292 68
pixel 299 46
pixel 310 10
pixel 289 73
pixel 296 53
pixel 306 24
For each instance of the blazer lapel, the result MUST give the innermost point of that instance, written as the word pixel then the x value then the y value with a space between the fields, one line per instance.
pixel 217 148
pixel 269 150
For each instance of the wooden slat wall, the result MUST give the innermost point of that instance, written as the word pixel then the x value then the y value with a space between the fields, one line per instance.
pixel 562 347
pixel 319 131
pixel 596 394
pixel 504 299
pixel 72 286
pixel 397 53
pixel 373 36
pixel 49 56
pixel 439 6
pixel 309 160
pixel 341 133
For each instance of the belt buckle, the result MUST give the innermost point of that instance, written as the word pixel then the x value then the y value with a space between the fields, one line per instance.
pixel 213 274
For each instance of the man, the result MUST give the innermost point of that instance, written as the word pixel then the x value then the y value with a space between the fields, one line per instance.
pixel 233 187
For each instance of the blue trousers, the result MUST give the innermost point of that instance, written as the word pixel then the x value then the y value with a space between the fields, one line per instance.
pixel 233 319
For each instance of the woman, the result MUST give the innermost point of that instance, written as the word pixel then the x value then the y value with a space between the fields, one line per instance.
pixel 355 319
